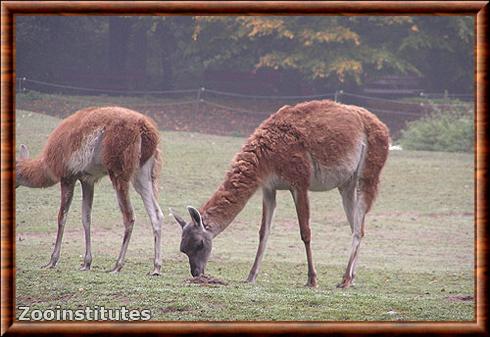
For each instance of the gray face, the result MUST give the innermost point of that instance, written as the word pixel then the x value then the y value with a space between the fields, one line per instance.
pixel 196 242
pixel 197 245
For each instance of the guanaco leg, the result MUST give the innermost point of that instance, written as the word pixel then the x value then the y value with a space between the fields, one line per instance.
pixel 355 209
pixel 87 200
pixel 67 187
pixel 122 190
pixel 300 197
pixel 268 206
pixel 143 185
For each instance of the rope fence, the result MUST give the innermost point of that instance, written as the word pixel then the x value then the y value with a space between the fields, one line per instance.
pixel 231 94
pixel 201 101
pixel 23 81
pixel 422 96
pixel 22 85
pixel 230 108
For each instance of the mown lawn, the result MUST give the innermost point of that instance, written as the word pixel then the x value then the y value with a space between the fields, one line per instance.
pixel 416 261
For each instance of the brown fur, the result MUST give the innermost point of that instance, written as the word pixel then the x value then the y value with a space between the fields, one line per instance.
pixel 89 144
pixel 316 146
pixel 239 185
pixel 377 153
pixel 323 130
pixel 36 172
pixel 129 140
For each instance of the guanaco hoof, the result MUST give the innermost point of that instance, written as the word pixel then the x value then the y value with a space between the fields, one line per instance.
pixel 346 283
pixel 311 284
pixel 206 280
pixel 49 265
pixel 115 270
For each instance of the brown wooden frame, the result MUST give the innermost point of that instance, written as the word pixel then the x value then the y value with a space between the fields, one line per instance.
pixel 478 9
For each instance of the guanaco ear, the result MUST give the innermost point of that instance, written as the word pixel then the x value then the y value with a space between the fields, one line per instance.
pixel 177 218
pixel 23 152
pixel 195 216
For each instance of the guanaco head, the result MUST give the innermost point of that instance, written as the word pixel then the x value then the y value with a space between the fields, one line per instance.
pixel 23 155
pixel 196 241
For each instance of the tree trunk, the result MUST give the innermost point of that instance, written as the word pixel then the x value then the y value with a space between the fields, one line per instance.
pixel 138 59
pixel 119 30
pixel 168 45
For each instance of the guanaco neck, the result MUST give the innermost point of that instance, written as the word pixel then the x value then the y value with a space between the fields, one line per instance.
pixel 34 173
pixel 240 183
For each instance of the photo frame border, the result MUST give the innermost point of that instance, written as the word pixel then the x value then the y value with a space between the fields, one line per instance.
pixel 10 9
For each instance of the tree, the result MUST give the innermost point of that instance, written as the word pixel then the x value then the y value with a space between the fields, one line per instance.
pixel 337 50
pixel 166 51
pixel 442 49
pixel 117 50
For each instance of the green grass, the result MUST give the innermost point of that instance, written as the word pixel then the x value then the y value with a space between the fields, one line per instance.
pixel 416 259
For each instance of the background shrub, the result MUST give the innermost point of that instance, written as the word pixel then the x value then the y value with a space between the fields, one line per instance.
pixel 449 128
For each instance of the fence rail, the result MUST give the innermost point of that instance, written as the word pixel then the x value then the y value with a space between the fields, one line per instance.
pixel 395 113
pixel 22 82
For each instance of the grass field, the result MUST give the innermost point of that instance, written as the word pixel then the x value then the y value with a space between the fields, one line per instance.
pixel 416 261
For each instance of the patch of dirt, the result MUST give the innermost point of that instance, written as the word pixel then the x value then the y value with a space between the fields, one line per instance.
pixel 206 280
pixel 171 309
pixel 460 298
pixel 419 214
pixel 122 299
pixel 446 214
pixel 27 300
pixel 30 300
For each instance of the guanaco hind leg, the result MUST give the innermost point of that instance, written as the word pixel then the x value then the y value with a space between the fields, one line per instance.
pixel 355 209
pixel 143 185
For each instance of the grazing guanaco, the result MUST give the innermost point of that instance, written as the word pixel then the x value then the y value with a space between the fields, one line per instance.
pixel 88 145
pixel 316 146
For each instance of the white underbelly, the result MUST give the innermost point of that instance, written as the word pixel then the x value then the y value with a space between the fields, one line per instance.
pixel 326 178
pixel 321 178
pixel 93 173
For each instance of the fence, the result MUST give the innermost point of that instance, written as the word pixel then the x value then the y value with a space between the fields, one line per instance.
pixel 219 112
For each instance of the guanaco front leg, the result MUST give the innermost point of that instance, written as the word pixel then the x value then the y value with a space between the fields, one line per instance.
pixel 268 206
pixel 67 187
pixel 300 197
pixel 88 197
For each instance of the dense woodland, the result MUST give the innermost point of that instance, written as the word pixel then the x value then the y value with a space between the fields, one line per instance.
pixel 322 53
